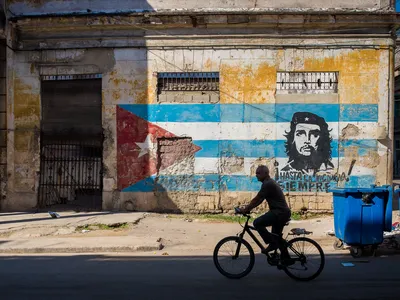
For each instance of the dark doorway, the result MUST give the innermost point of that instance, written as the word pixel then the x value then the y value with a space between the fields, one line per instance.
pixel 71 144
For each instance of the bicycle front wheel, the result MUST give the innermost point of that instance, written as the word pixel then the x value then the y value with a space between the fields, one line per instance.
pixel 308 259
pixel 233 258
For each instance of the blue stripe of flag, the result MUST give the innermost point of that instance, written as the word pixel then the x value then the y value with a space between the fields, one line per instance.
pixel 271 148
pixel 215 183
pixel 280 112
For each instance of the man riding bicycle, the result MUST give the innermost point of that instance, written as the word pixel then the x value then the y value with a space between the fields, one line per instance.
pixel 278 215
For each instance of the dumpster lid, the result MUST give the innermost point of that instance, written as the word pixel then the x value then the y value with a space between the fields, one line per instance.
pixel 372 189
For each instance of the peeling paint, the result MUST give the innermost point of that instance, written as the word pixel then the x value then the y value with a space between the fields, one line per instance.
pixel 232 165
pixel 269 162
pixel 247 83
pixel 350 131
pixel 371 160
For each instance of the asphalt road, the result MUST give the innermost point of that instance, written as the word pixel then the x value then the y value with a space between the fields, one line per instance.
pixel 152 276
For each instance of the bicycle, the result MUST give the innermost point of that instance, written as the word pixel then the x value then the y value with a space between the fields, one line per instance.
pixel 296 253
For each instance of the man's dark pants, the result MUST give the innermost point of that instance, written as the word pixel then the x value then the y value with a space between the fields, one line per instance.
pixel 277 223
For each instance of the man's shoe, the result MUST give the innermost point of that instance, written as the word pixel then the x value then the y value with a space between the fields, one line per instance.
pixel 271 247
pixel 287 261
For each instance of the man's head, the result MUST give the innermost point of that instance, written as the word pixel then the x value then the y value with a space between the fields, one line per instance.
pixel 308 142
pixel 262 173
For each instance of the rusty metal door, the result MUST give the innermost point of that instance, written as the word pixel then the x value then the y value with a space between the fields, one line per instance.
pixel 71 143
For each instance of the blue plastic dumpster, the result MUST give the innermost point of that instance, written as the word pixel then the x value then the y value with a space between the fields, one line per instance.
pixel 361 215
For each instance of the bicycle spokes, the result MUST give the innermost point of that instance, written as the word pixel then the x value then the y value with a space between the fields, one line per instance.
pixel 307 256
pixel 233 257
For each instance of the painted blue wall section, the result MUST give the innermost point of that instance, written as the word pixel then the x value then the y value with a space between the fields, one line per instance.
pixel 251 113
pixel 271 148
pixel 215 183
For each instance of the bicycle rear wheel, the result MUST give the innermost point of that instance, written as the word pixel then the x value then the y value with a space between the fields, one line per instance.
pixel 229 253
pixel 308 257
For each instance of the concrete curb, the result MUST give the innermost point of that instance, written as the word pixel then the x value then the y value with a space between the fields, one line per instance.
pixel 146 248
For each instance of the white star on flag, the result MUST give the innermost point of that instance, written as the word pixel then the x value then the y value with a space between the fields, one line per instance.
pixel 147 147
pixel 306 119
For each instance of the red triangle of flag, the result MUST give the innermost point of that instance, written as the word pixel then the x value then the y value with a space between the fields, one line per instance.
pixel 137 151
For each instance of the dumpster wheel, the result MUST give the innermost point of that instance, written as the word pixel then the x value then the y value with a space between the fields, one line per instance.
pixel 338 244
pixel 356 252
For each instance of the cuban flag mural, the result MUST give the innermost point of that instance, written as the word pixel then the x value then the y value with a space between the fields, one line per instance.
pixel 216 147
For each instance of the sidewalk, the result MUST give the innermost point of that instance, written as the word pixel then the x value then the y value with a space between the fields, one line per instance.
pixel 129 232
pixel 39 233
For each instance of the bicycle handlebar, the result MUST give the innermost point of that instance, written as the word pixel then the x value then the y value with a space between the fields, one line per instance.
pixel 237 212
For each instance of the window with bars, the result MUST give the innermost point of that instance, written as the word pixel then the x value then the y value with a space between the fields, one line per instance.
pixel 188 87
pixel 307 82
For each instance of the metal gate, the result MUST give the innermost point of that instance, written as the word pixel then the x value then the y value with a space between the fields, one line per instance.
pixel 71 141
pixel 71 171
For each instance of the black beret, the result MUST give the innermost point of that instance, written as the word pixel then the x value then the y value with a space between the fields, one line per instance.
pixel 307 118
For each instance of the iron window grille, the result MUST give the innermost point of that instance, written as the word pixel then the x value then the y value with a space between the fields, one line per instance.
pixel 187 81
pixel 302 82
pixel 71 77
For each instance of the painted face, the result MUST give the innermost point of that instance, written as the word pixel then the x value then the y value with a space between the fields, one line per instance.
pixel 306 137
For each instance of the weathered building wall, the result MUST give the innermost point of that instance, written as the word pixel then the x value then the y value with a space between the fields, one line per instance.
pixel 187 152
pixel 26 7
pixel 195 152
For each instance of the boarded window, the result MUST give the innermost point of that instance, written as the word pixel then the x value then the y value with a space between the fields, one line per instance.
pixel 71 106
pixel 307 82
pixel 188 87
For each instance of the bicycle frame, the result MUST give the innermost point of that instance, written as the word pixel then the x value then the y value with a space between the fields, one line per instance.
pixel 248 229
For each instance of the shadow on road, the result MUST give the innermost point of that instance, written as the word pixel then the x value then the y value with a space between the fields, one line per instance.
pixel 188 277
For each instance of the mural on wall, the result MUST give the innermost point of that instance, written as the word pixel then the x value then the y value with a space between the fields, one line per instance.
pixel 309 149
pixel 138 152
pixel 308 144
pixel 214 147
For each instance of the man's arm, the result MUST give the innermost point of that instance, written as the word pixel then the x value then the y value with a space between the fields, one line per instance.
pixel 257 200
